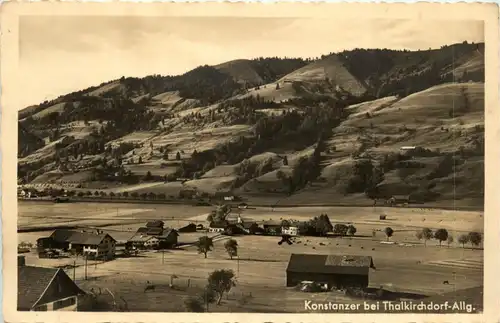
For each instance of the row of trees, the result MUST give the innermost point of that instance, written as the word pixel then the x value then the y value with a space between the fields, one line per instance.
pixel 205 244
pixel 474 238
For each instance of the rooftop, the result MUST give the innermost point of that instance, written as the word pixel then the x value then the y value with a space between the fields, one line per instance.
pixel 32 284
pixel 330 264
pixel 155 232
pixel 138 237
pixel 77 237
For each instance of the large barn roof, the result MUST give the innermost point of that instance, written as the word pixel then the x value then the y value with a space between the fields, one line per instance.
pixel 76 237
pixel 330 264
pixel 33 283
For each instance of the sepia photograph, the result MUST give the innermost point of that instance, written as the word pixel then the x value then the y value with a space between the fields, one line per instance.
pixel 248 164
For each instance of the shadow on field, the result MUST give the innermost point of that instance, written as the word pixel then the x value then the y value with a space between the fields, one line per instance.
pixel 259 260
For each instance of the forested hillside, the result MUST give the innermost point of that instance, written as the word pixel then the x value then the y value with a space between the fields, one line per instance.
pixel 305 130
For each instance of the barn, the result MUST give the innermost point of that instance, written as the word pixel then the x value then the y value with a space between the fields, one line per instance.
pixel 336 271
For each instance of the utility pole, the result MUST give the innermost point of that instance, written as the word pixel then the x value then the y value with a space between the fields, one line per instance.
pixel 163 256
pixel 74 270
pixel 86 256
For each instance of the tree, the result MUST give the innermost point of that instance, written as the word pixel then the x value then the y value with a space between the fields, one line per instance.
pixel 463 239
pixel 322 225
pixel 125 194
pixel 426 234
pixel 205 244
pixel 474 238
pixel 112 194
pixel 178 156
pixel 441 235
pixel 351 230
pixel 148 176
pixel 285 161
pixel 340 229
pixel 221 281
pixel 208 295
pixel 388 232
pixel 449 240
pixel 194 305
pixel 140 160
pixel 231 247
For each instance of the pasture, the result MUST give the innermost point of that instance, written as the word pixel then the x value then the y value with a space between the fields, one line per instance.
pixel 406 266
pixel 260 272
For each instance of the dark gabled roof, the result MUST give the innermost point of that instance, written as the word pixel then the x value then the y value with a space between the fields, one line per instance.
pixel 32 284
pixel 154 231
pixel 166 233
pixel 138 237
pixel 142 230
pixel 248 225
pixel 155 224
pixel 330 264
pixel 77 237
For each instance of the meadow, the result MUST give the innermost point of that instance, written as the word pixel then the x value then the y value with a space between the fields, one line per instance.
pixel 405 266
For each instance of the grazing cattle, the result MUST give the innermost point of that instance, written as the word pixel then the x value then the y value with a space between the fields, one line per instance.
pixel 149 286
pixel 373 249
pixel 362 247
pixel 419 262
pixel 285 238
pixel 349 245
pixel 446 282
pixel 314 247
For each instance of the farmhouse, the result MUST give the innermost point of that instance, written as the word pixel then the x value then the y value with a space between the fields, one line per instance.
pixel 45 289
pixel 272 227
pixel 399 199
pixel 408 148
pixel 167 238
pixel 336 271
pixel 94 244
pixel 217 227
pixel 250 227
pixel 141 241
pixel 292 231
pixel 225 196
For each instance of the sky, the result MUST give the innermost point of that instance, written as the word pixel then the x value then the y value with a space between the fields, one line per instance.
pixel 61 54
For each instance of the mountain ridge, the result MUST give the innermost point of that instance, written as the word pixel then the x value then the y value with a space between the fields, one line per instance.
pixel 278 127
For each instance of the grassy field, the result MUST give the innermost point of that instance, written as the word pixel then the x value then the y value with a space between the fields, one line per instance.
pixel 261 269
pixel 407 266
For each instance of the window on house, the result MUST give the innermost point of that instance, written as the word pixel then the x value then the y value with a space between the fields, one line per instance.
pixel 64 303
pixel 41 308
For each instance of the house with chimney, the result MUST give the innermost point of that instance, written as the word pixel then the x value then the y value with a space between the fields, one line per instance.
pixel 153 236
pixel 95 244
pixel 46 289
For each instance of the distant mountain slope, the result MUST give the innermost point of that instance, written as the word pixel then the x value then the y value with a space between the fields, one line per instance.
pixel 241 71
pixel 26 141
pixel 301 130
pixel 330 69
pixel 390 72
